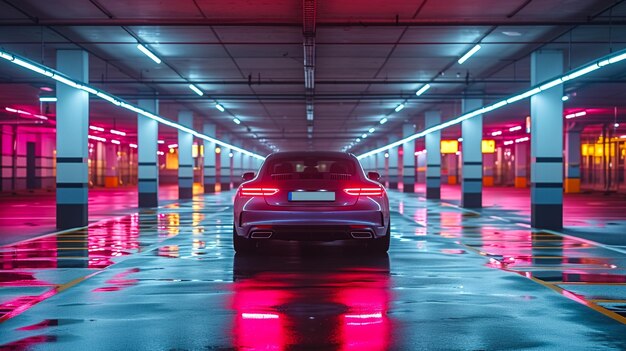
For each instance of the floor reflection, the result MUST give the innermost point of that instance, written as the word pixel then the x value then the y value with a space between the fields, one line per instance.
pixel 329 297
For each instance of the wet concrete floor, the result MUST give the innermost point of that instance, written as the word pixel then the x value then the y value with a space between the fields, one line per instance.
pixel 168 279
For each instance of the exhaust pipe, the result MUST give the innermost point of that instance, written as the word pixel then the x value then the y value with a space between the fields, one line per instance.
pixel 361 235
pixel 261 235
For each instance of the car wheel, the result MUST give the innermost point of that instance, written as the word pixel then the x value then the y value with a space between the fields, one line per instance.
pixel 243 245
pixel 381 245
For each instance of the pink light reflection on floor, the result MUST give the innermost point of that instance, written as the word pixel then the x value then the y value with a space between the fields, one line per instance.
pixel 27 215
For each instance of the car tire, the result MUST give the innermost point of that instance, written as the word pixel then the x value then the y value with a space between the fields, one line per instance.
pixel 381 245
pixel 242 245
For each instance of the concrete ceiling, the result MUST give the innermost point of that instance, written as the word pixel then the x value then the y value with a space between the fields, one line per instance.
pixel 369 56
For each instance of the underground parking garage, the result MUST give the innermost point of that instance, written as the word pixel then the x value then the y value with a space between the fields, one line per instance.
pixel 406 175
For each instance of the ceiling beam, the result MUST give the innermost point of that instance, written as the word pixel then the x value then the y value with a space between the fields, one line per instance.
pixel 318 97
pixel 292 82
pixel 281 22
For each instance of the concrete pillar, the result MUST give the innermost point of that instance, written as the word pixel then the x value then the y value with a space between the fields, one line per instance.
pixel 489 169
pixel 224 169
pixel 72 142
pixel 521 165
pixel 185 157
pixel 245 163
pixel 393 165
pixel 111 179
pixel 147 159
pixel 421 167
pixel 251 163
pixel 408 159
pixel 236 168
pixel 371 163
pixel 546 147
pixel 452 163
pixel 209 159
pixel 572 159
pixel 433 156
pixel 472 132
pixel 379 161
pixel 500 166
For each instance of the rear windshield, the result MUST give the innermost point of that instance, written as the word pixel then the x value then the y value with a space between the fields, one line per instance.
pixel 311 168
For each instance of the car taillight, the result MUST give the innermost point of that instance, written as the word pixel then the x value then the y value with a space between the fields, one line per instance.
pixel 364 191
pixel 258 191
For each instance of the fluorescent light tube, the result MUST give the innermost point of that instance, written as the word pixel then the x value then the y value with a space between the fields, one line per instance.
pixel 551 84
pixel 422 90
pixel 148 53
pixel 195 89
pixel 469 54
pixel 523 95
pixel 581 72
pixel 108 98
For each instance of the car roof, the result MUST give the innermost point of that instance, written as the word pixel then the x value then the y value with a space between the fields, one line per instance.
pixel 313 154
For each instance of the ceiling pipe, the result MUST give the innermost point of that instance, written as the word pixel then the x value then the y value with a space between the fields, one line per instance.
pixel 308 42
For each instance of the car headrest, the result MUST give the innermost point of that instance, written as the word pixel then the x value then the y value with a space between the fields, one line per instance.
pixel 283 168
pixel 338 168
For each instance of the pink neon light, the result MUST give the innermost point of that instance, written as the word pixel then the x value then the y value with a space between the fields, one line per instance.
pixel 172 146
pixel 509 142
pixel 521 140
pixel 259 316
pixel 21 112
pixel 117 142
pixel 496 133
pixel 364 316
pixel 577 114
pixel 161 141
pixel 96 128
pixel 514 129
pixel 18 111
pixel 117 132
pixel 134 146
pixel 97 138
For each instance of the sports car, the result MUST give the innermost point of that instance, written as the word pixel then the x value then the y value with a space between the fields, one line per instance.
pixel 313 196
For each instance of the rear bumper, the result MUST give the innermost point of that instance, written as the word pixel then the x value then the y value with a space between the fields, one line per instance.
pixel 313 225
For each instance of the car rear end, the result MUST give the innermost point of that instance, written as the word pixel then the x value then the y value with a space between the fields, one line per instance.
pixel 318 196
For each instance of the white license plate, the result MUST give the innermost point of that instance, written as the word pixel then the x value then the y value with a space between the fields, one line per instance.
pixel 312 196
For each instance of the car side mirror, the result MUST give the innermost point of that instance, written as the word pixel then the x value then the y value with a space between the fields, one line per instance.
pixel 375 176
pixel 248 176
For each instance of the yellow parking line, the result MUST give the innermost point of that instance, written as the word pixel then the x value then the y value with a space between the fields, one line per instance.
pixel 588 303
pixel 48 294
